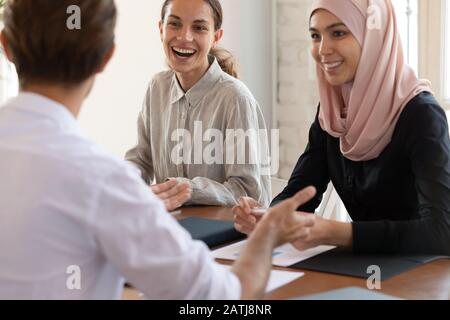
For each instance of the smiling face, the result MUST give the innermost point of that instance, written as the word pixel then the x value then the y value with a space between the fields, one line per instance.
pixel 188 34
pixel 334 48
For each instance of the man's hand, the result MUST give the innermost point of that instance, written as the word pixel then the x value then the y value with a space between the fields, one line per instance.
pixel 289 224
pixel 172 193
pixel 279 225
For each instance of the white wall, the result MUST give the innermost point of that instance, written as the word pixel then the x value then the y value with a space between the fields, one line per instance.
pixel 9 83
pixel 110 113
pixel 297 94
pixel 248 35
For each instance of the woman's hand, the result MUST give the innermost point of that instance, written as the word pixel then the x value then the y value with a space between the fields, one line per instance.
pixel 326 232
pixel 172 193
pixel 244 220
pixel 316 235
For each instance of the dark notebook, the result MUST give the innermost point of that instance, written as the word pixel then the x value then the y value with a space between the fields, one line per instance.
pixel 344 262
pixel 213 232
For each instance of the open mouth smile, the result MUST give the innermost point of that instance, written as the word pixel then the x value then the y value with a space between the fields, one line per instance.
pixel 183 53
pixel 330 66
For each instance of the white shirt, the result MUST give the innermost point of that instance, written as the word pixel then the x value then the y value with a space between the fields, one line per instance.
pixel 65 202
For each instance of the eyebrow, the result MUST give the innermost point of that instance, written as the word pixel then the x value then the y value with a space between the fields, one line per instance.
pixel 175 17
pixel 334 25
pixel 196 21
pixel 201 21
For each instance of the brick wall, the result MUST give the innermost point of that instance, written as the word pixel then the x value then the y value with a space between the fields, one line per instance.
pixel 297 94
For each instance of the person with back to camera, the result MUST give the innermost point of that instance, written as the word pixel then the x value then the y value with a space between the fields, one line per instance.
pixel 66 204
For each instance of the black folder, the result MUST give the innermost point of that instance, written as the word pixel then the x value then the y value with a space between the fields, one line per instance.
pixel 344 262
pixel 212 232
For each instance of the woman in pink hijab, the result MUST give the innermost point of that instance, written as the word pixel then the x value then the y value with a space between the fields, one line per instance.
pixel 380 136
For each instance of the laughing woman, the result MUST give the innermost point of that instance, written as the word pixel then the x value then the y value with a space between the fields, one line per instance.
pixel 187 106
pixel 380 136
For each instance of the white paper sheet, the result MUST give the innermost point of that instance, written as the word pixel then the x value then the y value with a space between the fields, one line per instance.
pixel 283 256
pixel 278 278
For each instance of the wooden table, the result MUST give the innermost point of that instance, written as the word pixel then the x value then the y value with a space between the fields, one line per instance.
pixel 430 281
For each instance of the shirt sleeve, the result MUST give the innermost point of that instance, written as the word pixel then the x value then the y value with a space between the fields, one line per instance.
pixel 150 249
pixel 141 154
pixel 310 170
pixel 427 146
pixel 247 172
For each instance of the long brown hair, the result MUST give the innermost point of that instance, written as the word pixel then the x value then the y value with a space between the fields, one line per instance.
pixel 225 59
pixel 43 47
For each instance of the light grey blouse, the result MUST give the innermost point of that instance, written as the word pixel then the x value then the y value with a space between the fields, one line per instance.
pixel 214 137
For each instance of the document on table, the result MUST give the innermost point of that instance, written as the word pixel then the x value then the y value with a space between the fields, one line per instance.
pixel 283 256
pixel 278 278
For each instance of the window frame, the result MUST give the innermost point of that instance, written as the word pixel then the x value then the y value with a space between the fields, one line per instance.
pixel 410 41
pixel 432 46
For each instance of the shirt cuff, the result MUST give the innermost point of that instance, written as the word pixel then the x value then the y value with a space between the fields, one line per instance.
pixel 184 180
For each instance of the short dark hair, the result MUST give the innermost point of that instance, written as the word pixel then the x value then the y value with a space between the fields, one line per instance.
pixel 44 49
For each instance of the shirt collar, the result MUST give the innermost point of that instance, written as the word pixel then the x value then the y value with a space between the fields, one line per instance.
pixel 48 108
pixel 197 92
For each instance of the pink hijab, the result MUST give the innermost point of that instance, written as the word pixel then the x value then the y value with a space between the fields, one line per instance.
pixel 383 84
